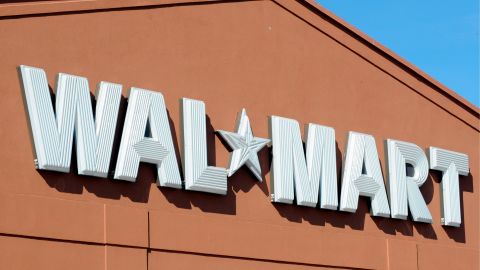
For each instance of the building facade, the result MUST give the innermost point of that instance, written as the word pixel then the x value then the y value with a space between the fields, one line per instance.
pixel 284 58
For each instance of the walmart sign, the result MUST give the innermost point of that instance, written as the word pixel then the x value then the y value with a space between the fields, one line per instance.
pixel 307 176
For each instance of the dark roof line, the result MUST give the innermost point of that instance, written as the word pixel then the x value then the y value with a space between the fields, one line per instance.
pixel 391 56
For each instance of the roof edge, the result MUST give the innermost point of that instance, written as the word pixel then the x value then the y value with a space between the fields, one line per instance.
pixel 392 56
pixel 48 8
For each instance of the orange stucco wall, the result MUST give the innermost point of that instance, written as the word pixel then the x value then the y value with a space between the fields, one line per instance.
pixel 281 57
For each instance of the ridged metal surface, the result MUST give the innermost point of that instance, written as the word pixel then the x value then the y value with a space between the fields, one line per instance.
pixel 404 190
pixel 198 175
pixel 451 164
pixel 310 176
pixel 245 146
pixel 145 108
pixel 362 176
pixel 53 136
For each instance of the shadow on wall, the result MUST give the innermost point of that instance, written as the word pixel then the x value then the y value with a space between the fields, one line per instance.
pixel 104 188
pixel 140 190
pixel 320 217
pixel 215 203
pixel 466 185
pixel 390 226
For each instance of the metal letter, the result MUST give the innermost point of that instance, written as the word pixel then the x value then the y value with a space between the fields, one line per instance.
pixel 198 175
pixel 451 164
pixel 362 176
pixel 147 107
pixel 306 174
pixel 53 137
pixel 404 190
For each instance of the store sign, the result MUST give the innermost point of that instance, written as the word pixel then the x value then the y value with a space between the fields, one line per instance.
pixel 306 176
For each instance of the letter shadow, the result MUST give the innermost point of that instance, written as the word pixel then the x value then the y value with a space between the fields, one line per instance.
pixel 425 229
pixel 390 225
pixel 393 226
pixel 466 185
pixel 405 227
pixel 317 216
pixel 101 187
pixel 212 202
pixel 140 189
pixel 206 202
pixel 243 179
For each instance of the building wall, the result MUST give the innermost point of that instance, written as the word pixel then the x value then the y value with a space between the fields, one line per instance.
pixel 280 57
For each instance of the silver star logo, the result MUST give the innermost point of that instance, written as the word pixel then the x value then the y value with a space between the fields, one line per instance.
pixel 245 146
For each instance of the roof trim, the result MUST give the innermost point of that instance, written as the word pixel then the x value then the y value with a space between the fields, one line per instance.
pixel 390 55
pixel 308 11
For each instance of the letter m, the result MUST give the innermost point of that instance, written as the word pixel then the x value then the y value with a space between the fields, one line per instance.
pixel 311 176
pixel 53 135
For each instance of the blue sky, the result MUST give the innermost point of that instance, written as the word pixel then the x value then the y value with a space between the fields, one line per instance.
pixel 439 37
